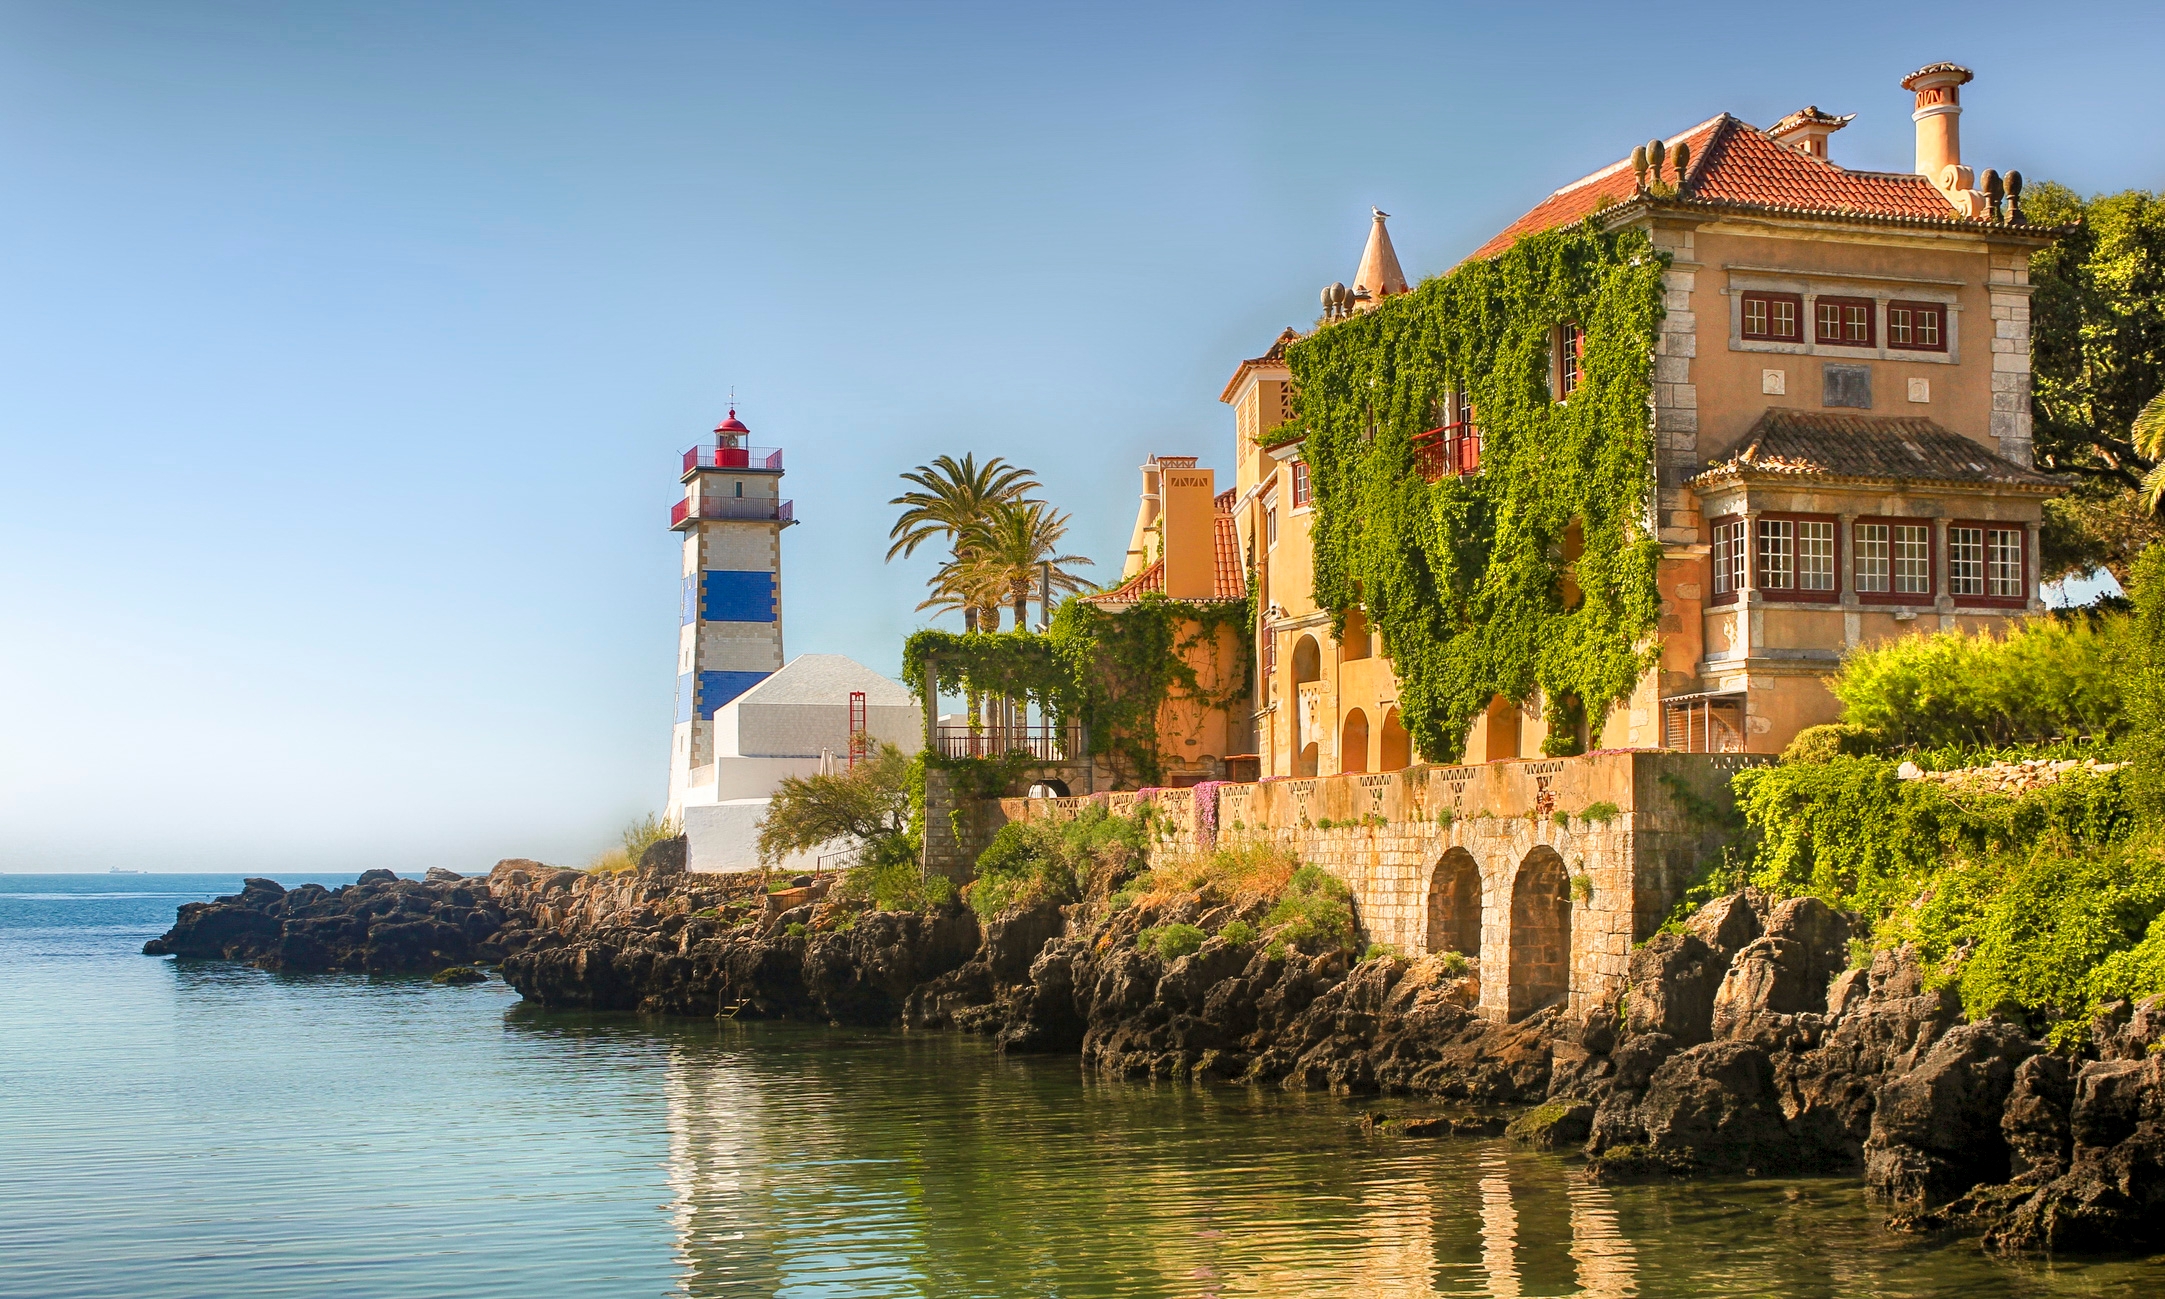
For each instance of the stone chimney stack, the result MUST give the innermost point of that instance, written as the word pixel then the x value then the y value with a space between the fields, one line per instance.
pixel 1807 129
pixel 1939 132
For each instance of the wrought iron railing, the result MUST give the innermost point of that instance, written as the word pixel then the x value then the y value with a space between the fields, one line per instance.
pixel 1045 741
pixel 733 507
pixel 714 457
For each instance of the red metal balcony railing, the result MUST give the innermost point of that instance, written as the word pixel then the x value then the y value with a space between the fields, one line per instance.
pixel 704 456
pixel 1453 449
pixel 733 507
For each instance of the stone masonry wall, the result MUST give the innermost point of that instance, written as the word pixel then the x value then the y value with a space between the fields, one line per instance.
pixel 1387 836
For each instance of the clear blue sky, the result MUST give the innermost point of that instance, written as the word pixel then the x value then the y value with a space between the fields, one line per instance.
pixel 348 348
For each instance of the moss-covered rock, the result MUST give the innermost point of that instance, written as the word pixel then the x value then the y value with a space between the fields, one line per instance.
pixel 1552 1126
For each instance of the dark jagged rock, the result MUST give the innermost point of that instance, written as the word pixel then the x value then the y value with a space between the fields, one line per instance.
pixel 380 924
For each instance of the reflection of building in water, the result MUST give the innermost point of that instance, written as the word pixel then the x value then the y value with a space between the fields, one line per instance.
pixel 758 1204
pixel 1608 1269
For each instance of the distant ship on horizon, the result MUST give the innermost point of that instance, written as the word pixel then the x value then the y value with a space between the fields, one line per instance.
pixel 120 871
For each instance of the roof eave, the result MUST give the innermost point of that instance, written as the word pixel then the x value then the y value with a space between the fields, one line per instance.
pixel 2008 231
pixel 1747 475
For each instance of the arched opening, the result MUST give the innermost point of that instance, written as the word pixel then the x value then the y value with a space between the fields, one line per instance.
pixel 1500 734
pixel 1307 660
pixel 1353 742
pixel 1540 933
pixel 1572 546
pixel 1395 747
pixel 1454 905
pixel 1307 696
pixel 1355 643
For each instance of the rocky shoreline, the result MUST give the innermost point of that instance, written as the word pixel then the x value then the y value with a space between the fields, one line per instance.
pixel 1744 1044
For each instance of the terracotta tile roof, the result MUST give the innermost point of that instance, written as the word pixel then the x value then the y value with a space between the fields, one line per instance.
pixel 1274 358
pixel 1872 448
pixel 1736 165
pixel 1582 198
pixel 1229 580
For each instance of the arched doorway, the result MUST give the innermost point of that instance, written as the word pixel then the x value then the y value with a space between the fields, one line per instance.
pixel 1395 747
pixel 1500 732
pixel 1308 724
pixel 1540 933
pixel 1454 906
pixel 1353 742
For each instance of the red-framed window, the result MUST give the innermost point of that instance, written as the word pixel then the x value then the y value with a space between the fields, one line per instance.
pixel 1300 484
pixel 1917 326
pixel 1891 561
pixel 1988 563
pixel 1845 322
pixel 1774 317
pixel 1569 349
pixel 1796 557
pixel 1729 551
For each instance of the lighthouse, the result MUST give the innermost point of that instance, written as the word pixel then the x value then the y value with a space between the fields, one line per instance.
pixel 730 634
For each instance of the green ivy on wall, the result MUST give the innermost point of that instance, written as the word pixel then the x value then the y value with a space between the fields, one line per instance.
pixel 1464 577
pixel 1111 670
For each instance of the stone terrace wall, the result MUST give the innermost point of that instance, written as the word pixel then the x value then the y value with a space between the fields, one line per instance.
pixel 1560 898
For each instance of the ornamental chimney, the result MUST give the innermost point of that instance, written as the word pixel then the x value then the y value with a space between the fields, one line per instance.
pixel 1807 129
pixel 1939 121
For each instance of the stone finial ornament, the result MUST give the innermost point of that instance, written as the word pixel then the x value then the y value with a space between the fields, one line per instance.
pixel 1994 193
pixel 1638 166
pixel 1683 160
pixel 1655 152
pixel 2014 196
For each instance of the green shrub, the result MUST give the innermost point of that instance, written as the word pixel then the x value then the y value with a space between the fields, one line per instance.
pixel 1445 817
pixel 1381 951
pixel 1171 942
pixel 796 929
pixel 1582 888
pixel 890 876
pixel 1037 861
pixel 1315 911
pixel 1456 965
pixel 2048 677
pixel 1238 933
pixel 1834 740
pixel 1603 811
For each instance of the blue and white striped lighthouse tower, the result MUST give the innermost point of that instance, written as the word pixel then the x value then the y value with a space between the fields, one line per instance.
pixel 732 517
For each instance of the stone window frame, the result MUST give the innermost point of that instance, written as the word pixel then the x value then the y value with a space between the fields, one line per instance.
pixel 1811 285
pixel 1938 312
pixel 1986 601
pixel 1769 299
pixel 1302 495
pixel 1932 560
pixel 1794 594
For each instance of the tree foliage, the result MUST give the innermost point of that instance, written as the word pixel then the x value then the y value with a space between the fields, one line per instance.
pixel 1466 577
pixel 2046 678
pixel 867 807
pixel 2097 322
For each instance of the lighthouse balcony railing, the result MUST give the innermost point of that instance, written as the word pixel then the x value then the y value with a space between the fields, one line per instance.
pixel 752 508
pixel 714 457
pixel 1044 741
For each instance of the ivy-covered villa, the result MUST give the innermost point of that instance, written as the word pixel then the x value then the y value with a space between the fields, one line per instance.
pixel 1637 471
pixel 1624 483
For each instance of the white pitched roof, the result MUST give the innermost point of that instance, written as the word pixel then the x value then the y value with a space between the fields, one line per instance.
pixel 826 679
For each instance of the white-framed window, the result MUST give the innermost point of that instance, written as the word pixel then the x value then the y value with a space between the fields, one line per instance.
pixel 1270 522
pixel 2004 563
pixel 1815 554
pixel 1300 484
pixel 1728 558
pixel 1568 346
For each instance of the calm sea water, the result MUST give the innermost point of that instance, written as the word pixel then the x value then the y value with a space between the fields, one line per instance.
pixel 194 1129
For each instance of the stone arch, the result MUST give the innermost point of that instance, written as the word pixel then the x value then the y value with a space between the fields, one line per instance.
pixel 1540 933
pixel 1454 905
pixel 1308 724
pixel 1353 742
pixel 1395 748
pixel 1304 762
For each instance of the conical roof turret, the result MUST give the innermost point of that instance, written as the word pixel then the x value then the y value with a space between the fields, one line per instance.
pixel 1379 276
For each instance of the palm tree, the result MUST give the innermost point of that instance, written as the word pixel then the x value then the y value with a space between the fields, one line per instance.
pixel 953 498
pixel 2148 434
pixel 1015 544
pixel 969 585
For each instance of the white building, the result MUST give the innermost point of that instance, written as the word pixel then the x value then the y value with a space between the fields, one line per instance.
pixel 744 720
